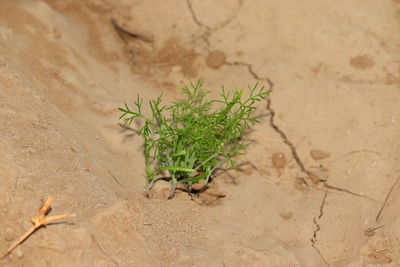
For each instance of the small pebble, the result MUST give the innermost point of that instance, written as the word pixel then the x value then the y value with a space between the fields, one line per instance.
pixel 314 178
pixel 198 185
pixel 215 59
pixel 279 160
pixel 286 215
pixel 301 185
pixel 18 252
pixel 318 154
pixel 9 234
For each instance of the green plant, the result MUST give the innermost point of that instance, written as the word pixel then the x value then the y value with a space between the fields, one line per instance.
pixel 191 138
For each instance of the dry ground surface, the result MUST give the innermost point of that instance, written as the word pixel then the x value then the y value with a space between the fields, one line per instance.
pixel 322 187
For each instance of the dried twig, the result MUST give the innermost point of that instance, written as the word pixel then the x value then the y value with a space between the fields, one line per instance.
pixel 120 31
pixel 387 199
pixel 38 221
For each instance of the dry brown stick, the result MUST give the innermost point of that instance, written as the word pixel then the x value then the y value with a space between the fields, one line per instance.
pixel 38 221
pixel 386 199
pixel 119 29
pixel 104 251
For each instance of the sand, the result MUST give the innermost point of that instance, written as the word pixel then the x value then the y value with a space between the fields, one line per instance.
pixel 321 186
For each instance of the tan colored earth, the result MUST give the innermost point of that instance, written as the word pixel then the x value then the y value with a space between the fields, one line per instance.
pixel 321 184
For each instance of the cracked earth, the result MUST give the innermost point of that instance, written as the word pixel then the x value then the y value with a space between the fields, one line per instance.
pixel 320 185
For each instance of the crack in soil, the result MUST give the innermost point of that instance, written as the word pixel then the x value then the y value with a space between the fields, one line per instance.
pixel 283 135
pixel 318 228
pixel 349 192
pixel 299 162
pixel 195 19
pixel 285 139
pixel 251 71
pixel 271 111
pixel 209 30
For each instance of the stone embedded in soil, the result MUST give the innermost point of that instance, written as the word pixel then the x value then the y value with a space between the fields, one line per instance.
pixel 279 160
pixel 315 179
pixel 9 234
pixel 322 174
pixel 18 252
pixel 199 185
pixel 362 62
pixel 301 185
pixel 211 196
pixel 318 154
pixel 286 215
pixel 215 59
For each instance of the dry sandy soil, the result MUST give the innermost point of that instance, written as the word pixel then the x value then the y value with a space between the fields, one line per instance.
pixel 323 185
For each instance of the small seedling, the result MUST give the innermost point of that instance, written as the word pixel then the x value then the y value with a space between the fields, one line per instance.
pixel 191 138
